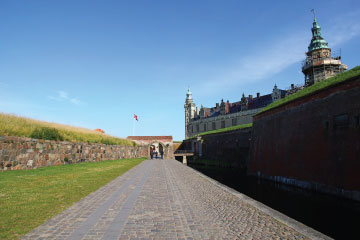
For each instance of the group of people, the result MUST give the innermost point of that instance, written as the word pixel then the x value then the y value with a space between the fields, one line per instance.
pixel 154 154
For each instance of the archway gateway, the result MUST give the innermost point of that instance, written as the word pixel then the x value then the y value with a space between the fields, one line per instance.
pixel 156 148
pixel 157 143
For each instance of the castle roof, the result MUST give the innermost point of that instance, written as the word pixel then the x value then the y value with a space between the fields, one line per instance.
pixel 317 41
pixel 214 114
pixel 253 103
pixel 259 102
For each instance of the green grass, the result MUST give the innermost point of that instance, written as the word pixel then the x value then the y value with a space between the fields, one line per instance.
pixel 30 197
pixel 314 88
pixel 11 125
pixel 228 129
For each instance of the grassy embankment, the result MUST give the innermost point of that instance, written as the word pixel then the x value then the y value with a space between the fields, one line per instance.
pixel 343 77
pixel 11 125
pixel 30 197
pixel 228 129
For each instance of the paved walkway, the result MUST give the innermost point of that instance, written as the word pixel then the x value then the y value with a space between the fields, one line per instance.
pixel 163 199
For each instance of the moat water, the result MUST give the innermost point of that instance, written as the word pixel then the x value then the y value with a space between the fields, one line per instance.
pixel 336 217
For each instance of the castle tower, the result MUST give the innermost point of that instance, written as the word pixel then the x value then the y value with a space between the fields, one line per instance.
pixel 319 64
pixel 276 94
pixel 244 103
pixel 189 112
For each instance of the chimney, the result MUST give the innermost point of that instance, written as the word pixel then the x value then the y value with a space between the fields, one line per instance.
pixel 250 97
pixel 292 86
pixel 217 105
pixel 258 95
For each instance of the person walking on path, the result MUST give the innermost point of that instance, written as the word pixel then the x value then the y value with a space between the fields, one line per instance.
pixel 162 154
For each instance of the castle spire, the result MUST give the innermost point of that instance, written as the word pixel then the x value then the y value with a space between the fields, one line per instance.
pixel 188 96
pixel 189 112
pixel 317 41
pixel 319 65
pixel 313 11
pixel 189 92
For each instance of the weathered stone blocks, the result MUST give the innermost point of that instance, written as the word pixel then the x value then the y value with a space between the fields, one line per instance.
pixel 24 153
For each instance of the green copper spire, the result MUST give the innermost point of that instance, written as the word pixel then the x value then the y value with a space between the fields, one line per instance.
pixel 317 41
pixel 189 92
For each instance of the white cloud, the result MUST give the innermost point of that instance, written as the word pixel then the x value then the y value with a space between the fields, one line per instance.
pixel 262 64
pixel 54 98
pixel 64 97
pixel 344 29
pixel 75 101
pixel 275 56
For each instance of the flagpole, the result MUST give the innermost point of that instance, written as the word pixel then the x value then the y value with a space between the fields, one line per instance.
pixel 133 132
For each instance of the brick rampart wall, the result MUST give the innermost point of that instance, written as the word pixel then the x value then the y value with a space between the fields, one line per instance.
pixel 23 153
pixel 226 149
pixel 313 142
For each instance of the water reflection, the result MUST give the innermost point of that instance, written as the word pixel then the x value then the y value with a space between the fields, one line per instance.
pixel 335 217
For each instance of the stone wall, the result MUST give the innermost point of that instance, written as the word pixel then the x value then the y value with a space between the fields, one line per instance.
pixel 226 149
pixel 24 153
pixel 313 142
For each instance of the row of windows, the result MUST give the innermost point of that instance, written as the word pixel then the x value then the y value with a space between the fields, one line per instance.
pixel 343 121
pixel 213 126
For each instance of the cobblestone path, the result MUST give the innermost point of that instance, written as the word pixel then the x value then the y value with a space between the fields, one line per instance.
pixel 163 199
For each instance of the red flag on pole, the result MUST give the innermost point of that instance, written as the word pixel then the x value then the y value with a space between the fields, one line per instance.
pixel 136 117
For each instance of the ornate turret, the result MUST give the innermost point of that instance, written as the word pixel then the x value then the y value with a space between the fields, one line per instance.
pixel 319 65
pixel 317 41
pixel 188 96
pixel 276 94
pixel 189 111
pixel 222 107
pixel 244 103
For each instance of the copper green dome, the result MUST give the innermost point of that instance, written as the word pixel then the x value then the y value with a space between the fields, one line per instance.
pixel 317 41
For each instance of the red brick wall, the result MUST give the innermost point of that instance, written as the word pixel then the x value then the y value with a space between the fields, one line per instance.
pixel 304 141
pixel 151 138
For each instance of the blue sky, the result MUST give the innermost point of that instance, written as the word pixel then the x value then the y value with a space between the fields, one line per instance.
pixel 94 63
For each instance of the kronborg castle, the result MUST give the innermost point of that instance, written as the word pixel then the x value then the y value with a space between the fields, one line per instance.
pixel 318 65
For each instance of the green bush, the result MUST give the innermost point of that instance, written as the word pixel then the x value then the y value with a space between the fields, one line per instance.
pixel 46 134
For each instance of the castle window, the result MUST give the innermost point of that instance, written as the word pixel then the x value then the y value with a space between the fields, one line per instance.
pixel 192 129
pixel 341 121
pixel 222 124
pixel 205 126
pixel 213 126
pixel 197 127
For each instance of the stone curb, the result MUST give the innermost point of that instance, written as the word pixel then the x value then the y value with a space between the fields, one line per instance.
pixel 298 226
